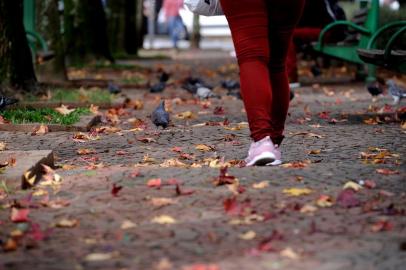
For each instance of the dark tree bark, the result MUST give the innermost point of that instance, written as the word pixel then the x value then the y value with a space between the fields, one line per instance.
pixel 16 66
pixel 86 30
pixel 56 40
pixel 125 25
pixel 130 30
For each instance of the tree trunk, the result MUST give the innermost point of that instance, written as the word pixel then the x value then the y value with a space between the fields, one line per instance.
pixel 130 27
pixel 16 65
pixel 86 30
pixel 116 25
pixel 125 26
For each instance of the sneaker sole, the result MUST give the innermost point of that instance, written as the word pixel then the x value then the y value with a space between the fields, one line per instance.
pixel 275 163
pixel 262 160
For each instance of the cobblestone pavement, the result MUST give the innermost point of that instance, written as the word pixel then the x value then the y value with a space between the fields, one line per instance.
pixel 254 223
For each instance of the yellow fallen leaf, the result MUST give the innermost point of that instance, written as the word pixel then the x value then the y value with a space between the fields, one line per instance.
pixel 85 151
pixel 403 125
pixel 289 253
pixel 67 223
pixel 41 130
pixel 159 202
pixel 185 115
pixel 64 110
pixel 308 208
pixel 94 109
pixel 173 162
pixel 204 148
pixel 249 235
pixel 314 152
pixel 297 191
pixel 324 201
pixel 261 185
pixel 2 146
pixel 40 192
pixel 164 219
pixel 352 185
pixel 27 179
pixel 94 257
pixel 128 224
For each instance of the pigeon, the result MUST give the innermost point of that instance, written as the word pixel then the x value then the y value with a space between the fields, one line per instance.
pixel 204 93
pixel 164 77
pixel 113 88
pixel 230 84
pixel 160 117
pixel 5 101
pixel 375 89
pixel 191 84
pixel 158 87
pixel 396 91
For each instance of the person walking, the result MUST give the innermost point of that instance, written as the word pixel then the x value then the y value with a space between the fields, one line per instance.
pixel 261 32
pixel 175 23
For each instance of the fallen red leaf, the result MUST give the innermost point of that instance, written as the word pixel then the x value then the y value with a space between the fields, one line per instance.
pixel 218 110
pixel 115 190
pixel 382 225
pixel 347 198
pixel 154 182
pixel 386 171
pixel 324 115
pixel 234 208
pixel 224 178
pixel 19 215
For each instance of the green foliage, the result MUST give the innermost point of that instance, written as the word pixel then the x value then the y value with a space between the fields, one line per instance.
pixel 95 96
pixel 43 115
pixel 79 95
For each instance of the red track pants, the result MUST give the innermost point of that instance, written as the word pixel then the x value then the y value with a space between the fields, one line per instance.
pixel 262 31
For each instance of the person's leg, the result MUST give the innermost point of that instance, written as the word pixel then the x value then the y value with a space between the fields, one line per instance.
pixel 248 21
pixel 283 17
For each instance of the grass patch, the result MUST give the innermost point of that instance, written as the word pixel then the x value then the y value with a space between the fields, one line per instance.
pixel 80 95
pixel 95 96
pixel 43 116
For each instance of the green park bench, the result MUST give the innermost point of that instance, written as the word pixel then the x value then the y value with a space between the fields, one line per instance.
pixel 39 47
pixel 348 51
pixel 387 57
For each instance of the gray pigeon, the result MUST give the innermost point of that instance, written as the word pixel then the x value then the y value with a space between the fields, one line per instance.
pixel 160 117
pixel 113 88
pixel 5 101
pixel 396 91
pixel 203 93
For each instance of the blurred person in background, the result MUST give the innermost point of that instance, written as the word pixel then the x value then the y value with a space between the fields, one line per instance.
pixel 176 27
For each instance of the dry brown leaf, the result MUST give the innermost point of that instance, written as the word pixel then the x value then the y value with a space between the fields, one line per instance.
pixel 94 109
pixel 64 110
pixel 261 185
pixel 289 253
pixel 159 202
pixel 249 235
pixel 127 224
pixel 204 148
pixel 185 115
pixel 352 185
pixel 67 223
pixel 40 130
pixel 297 191
pixel 164 219
pixel 2 146
pixel 314 152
